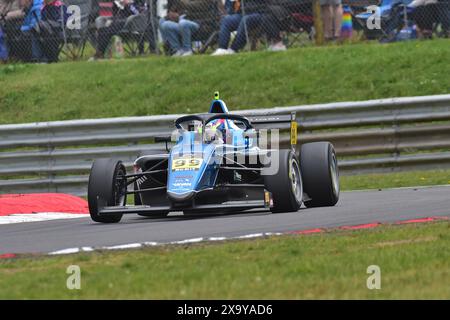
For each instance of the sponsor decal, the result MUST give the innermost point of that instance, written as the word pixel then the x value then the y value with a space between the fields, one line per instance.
pixel 294 126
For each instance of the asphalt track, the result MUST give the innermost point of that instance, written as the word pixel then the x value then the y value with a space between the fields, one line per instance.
pixel 357 207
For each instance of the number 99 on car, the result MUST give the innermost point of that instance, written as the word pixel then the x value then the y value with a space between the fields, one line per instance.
pixel 186 163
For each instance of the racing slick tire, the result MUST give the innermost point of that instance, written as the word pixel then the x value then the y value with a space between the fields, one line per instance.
pixel 320 174
pixel 286 184
pixel 106 188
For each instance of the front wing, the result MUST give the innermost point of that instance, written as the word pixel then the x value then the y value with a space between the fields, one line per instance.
pixel 231 205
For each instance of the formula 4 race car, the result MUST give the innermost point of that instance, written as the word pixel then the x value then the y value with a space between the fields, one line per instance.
pixel 220 162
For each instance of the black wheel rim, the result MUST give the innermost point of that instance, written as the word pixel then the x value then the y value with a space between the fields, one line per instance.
pixel 296 182
pixel 334 172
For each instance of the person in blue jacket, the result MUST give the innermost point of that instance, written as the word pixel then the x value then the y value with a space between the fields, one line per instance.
pixel 32 16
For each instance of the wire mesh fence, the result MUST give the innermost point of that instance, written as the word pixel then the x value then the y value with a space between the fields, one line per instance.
pixel 52 30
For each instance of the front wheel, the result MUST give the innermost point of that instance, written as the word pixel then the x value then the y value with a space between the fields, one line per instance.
pixel 284 181
pixel 107 187
pixel 320 174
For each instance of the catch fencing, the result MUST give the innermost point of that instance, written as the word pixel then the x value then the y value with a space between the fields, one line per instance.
pixel 369 136
pixel 80 29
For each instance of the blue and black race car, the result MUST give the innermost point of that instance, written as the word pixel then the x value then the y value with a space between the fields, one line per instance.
pixel 220 162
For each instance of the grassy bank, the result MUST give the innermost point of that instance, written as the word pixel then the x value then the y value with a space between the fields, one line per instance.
pixel 160 85
pixel 395 180
pixel 414 262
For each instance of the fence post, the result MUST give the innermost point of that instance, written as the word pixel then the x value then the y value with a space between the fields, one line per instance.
pixel 153 19
pixel 317 22
pixel 247 38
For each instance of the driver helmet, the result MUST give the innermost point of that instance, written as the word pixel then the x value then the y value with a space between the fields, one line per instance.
pixel 215 130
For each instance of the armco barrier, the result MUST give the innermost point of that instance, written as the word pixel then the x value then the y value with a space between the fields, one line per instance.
pixel 369 136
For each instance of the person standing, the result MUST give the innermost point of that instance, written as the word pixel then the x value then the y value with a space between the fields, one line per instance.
pixel 331 11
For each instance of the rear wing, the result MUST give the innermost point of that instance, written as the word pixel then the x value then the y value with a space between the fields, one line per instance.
pixel 280 122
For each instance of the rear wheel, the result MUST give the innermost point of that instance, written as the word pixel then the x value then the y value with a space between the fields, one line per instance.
pixel 320 174
pixel 107 187
pixel 286 183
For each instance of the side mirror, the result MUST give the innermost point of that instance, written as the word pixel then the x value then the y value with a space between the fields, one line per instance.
pixel 165 139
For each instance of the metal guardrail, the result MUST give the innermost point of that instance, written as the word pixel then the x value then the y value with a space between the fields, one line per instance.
pixel 369 136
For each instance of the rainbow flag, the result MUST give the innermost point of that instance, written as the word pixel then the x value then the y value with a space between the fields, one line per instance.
pixel 346 26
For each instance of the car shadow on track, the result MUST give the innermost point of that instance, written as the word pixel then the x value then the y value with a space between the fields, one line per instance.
pixel 196 216
pixel 181 217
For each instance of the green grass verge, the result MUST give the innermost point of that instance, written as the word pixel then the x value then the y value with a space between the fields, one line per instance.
pixel 160 85
pixel 395 180
pixel 414 262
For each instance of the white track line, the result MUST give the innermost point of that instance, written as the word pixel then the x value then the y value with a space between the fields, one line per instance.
pixel 199 240
pixel 42 216
pixel 153 244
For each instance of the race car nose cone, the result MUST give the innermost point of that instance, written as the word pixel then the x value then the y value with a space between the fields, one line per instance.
pixel 180 197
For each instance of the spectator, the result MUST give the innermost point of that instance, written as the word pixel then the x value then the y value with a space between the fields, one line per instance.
pixel 177 31
pixel 48 31
pixel 425 15
pixel 278 13
pixel 11 18
pixel 234 20
pixel 3 48
pixel 331 18
pixel 444 16
pixel 10 10
pixel 122 10
pixel 32 17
